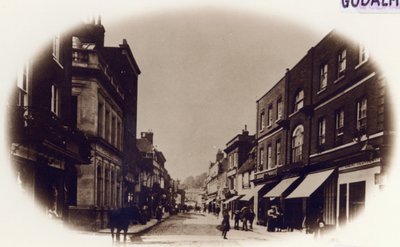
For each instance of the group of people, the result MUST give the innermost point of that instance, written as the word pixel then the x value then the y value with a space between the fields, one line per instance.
pixel 246 215
pixel 275 219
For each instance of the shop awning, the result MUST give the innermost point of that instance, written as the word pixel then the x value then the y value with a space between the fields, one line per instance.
pixel 310 184
pixel 252 192
pixel 281 187
pixel 232 199
pixel 210 200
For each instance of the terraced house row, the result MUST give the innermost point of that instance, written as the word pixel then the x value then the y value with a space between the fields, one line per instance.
pixel 322 141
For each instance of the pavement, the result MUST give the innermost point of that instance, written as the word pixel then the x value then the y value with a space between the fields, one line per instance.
pixel 139 228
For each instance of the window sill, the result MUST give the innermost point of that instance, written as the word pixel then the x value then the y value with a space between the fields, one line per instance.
pixel 294 113
pixel 339 134
pixel 321 90
pixel 58 62
pixel 339 79
pixel 361 64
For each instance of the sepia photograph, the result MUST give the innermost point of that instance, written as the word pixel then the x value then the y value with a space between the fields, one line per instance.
pixel 199 123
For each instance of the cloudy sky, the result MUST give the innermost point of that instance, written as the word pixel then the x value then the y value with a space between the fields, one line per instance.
pixel 202 71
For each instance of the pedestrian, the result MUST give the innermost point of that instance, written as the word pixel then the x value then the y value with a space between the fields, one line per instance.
pixel 159 213
pixel 244 211
pixel 237 219
pixel 279 219
pixel 250 217
pixel 271 213
pixel 217 211
pixel 225 225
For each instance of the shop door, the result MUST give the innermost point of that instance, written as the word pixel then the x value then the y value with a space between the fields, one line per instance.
pixel 342 204
pixel 356 199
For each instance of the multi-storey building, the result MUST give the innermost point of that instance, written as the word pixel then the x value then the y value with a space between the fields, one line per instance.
pixel 213 184
pixel 338 134
pixel 153 189
pixel 46 146
pixel 104 98
pixel 350 128
pixel 271 138
pixel 237 150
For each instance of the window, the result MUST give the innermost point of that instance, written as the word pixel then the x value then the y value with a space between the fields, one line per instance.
pixel 22 84
pixel 107 125
pixel 279 109
pixel 235 159
pixel 231 161
pixel 321 131
pixel 100 119
pixel 55 99
pixel 112 189
pixel 262 121
pixel 341 62
pixel 299 103
pixel 113 131
pixel 99 185
pixel 278 152
pixel 261 164
pixel 269 157
pixel 323 77
pixel 119 134
pixel 269 116
pixel 339 116
pixel 246 180
pixel 363 54
pixel 362 114
pixel 297 144
pixel 107 187
pixel 57 48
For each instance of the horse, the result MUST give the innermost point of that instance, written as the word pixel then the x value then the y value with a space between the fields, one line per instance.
pixel 120 219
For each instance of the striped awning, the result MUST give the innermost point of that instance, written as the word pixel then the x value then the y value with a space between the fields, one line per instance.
pixel 310 184
pixel 252 192
pixel 232 199
pixel 281 187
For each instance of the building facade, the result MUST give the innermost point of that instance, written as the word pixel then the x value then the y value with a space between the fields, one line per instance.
pixel 237 151
pixel 104 92
pixel 338 134
pixel 47 148
pixel 271 134
pixel 155 187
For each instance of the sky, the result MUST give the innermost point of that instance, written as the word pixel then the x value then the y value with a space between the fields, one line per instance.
pixel 203 70
pixel 204 64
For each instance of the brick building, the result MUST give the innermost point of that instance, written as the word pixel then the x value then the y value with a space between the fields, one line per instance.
pixel 237 151
pixel 338 132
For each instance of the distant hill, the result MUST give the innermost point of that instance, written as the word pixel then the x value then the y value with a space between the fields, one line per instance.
pixel 197 182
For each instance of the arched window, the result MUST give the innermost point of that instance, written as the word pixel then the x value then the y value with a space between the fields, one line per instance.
pixel 297 144
pixel 299 100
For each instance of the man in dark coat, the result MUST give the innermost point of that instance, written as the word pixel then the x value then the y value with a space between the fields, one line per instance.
pixel 237 219
pixel 250 217
pixel 225 225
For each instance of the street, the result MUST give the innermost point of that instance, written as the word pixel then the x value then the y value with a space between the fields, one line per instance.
pixel 200 230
